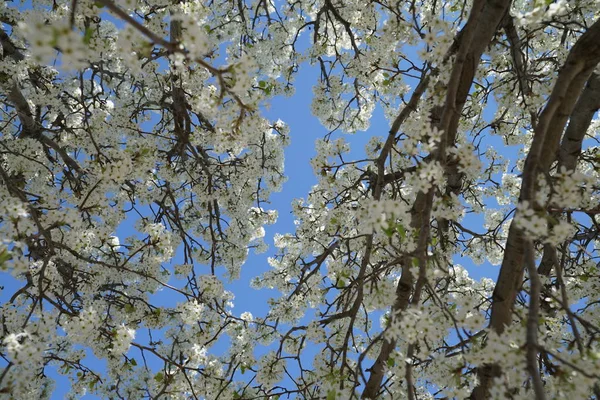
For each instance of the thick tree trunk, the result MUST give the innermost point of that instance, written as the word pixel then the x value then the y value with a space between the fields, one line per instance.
pixel 570 149
pixel 580 63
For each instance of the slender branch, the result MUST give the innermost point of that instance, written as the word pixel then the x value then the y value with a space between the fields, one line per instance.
pixel 532 322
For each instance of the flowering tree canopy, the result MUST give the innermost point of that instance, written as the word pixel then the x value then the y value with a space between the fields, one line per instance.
pixel 149 114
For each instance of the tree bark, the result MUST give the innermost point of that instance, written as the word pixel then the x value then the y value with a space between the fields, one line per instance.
pixel 580 63
pixel 483 22
pixel 570 149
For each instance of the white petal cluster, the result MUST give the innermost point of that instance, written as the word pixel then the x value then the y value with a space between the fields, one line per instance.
pixel 123 336
pixel 270 370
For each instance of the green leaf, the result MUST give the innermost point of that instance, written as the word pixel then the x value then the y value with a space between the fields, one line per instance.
pixel 87 37
pixel 133 362
pixel 129 308
pixel 331 395
pixel 389 231
pixel 401 231
pixel 65 368
pixel 386 320
pixel 391 362
pixel 5 255
pixel 159 377
pixel 262 84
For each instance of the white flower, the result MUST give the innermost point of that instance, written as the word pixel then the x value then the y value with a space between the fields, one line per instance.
pixel 560 232
pixel 122 339
pixel 270 370
pixel 247 316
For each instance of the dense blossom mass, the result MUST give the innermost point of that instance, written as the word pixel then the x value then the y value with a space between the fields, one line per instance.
pixel 146 117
